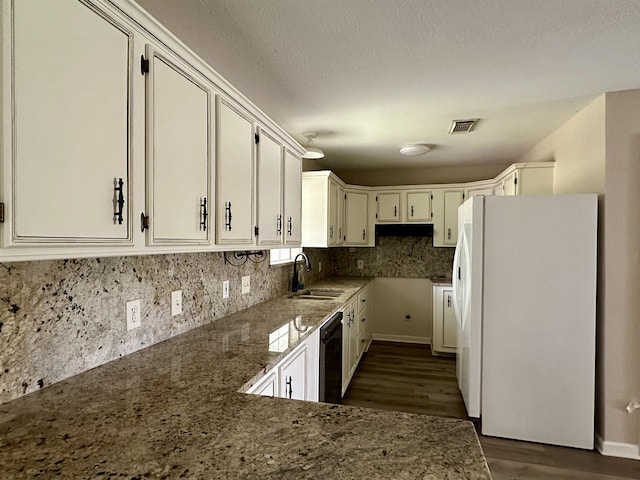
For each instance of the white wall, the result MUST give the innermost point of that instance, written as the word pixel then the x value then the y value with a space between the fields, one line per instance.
pixel 393 300
pixel 598 151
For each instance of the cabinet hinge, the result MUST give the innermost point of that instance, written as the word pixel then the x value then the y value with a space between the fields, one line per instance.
pixel 376 215
pixel 1 212
pixel 144 65
pixel 463 196
pixel 345 196
pixel 515 180
pixel 144 222
pixel 257 140
pixel 431 197
pixel 256 230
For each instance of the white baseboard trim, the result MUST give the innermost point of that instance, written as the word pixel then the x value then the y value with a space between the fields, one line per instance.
pixel 617 449
pixel 401 338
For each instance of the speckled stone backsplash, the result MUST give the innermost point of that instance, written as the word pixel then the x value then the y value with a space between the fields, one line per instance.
pixel 407 257
pixel 59 318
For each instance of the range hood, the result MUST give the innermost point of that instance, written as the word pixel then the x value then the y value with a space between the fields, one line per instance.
pixel 404 230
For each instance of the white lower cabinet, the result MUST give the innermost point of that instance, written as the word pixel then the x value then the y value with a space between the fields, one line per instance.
pixel 292 374
pixel 349 343
pixel 296 375
pixel 445 327
pixel 267 386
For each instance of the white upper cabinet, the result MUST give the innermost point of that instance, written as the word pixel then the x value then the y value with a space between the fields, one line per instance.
pixel 356 219
pixel 419 207
pixel 452 200
pixel 234 175
pixel 388 207
pixel 66 163
pixel 178 153
pixel 269 190
pixel 335 213
pixel 292 198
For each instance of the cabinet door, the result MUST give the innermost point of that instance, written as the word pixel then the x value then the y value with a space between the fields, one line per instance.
pixel 510 184
pixel 341 217
pixel 292 372
pixel 70 104
pixel 419 207
pixel 269 188
pixel 334 208
pixel 445 328
pixel 292 198
pixel 452 200
pixel 488 190
pixel 234 175
pixel 354 338
pixel 388 207
pixel 178 153
pixel 449 325
pixel 356 218
pixel 268 386
pixel 347 327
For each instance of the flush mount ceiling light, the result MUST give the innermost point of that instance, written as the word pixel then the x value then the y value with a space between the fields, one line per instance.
pixel 313 153
pixel 414 149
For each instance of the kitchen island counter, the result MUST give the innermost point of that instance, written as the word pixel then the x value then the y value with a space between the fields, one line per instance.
pixel 174 410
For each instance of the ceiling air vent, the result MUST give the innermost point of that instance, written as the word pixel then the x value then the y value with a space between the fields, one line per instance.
pixel 462 126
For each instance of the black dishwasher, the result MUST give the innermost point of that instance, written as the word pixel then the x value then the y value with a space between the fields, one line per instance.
pixel 331 360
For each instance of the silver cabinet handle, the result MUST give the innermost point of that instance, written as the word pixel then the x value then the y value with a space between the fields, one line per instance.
pixel 448 300
pixel 279 224
pixel 290 226
pixel 331 231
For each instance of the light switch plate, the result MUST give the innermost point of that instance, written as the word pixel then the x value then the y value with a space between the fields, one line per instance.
pixel 246 284
pixel 176 303
pixel 225 289
pixel 360 264
pixel 133 314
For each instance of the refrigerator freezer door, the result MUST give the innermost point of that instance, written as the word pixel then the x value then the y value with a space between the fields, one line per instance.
pixel 467 302
pixel 538 359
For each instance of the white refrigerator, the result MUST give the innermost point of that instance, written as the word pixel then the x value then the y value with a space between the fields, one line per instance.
pixel 524 279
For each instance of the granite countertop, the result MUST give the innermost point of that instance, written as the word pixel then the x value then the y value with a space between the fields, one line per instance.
pixel 173 410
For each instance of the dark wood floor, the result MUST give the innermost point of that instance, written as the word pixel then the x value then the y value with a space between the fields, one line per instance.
pixel 407 378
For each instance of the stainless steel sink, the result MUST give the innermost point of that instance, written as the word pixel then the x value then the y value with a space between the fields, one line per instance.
pixel 317 294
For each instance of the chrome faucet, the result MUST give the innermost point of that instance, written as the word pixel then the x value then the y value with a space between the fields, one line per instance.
pixel 294 280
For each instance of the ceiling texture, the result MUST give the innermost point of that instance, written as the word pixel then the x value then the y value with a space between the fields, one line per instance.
pixel 372 75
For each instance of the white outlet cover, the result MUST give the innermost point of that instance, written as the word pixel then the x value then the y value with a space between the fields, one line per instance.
pixel 176 303
pixel 246 284
pixel 360 264
pixel 225 289
pixel 134 313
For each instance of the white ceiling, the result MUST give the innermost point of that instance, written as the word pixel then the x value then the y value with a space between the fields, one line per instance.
pixel 371 75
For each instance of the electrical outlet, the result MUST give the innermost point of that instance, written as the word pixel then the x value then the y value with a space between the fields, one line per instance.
pixel 225 289
pixel 246 285
pixel 360 264
pixel 176 303
pixel 133 314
